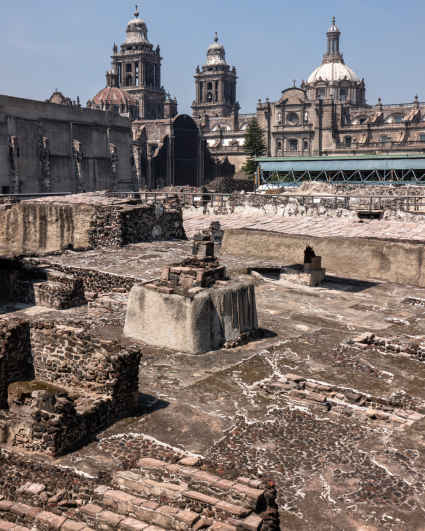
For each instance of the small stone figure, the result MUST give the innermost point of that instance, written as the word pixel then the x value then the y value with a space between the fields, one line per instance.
pixel 309 254
pixel 206 198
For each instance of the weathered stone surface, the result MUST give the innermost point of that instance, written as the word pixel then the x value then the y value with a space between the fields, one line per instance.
pixel 195 324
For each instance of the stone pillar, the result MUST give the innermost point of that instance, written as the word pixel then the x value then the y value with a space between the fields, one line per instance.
pixel 137 157
pixel 221 91
pixel 133 73
pixel 158 75
pixel 45 182
pixel 170 161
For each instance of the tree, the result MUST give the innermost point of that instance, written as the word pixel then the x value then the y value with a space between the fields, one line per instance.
pixel 254 146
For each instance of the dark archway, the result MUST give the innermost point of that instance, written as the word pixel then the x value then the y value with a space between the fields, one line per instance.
pixel 186 151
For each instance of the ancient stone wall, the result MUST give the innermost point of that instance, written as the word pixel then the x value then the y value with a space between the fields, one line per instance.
pixel 15 355
pixel 70 357
pixel 47 148
pixel 84 221
pixel 85 383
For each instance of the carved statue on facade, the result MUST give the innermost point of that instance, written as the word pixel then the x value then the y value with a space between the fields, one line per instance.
pixel 114 165
pixel 77 157
pixel 14 155
pixel 45 174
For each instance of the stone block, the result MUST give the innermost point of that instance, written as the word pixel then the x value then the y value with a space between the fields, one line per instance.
pixel 109 520
pixel 196 324
pixel 131 524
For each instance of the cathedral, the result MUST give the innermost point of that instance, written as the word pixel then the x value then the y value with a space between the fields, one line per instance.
pixel 326 115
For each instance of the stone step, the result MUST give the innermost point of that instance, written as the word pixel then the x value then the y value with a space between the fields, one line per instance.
pixel 116 509
pixel 115 504
pixel 15 512
pixel 242 491
pixel 131 481
pixel 9 526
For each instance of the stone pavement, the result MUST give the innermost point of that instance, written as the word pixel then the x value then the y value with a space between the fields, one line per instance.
pixel 311 226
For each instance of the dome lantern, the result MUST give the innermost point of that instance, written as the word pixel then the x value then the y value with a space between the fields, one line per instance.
pixel 216 54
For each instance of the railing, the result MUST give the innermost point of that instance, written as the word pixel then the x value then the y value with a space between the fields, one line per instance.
pixel 225 201
pixel 348 202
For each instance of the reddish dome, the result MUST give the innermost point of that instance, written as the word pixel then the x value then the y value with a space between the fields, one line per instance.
pixel 114 96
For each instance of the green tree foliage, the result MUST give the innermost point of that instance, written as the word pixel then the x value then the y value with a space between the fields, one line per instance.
pixel 254 146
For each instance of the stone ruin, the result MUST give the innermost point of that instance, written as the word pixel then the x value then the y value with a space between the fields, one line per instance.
pixel 310 273
pixel 194 307
pixel 60 385
pixel 54 224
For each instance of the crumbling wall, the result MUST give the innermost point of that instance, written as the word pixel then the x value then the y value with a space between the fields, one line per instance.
pixel 69 356
pixel 15 356
pixel 84 221
pixel 86 384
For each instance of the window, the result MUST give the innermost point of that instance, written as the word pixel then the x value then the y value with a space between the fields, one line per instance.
pixel 128 68
pixel 343 93
pixel 279 145
pixel 292 118
pixel 421 137
pixel 320 93
pixel 305 145
pixel 293 144
pixel 5 189
pixel 209 97
pixel 386 138
pixel 395 119
pixel 347 141
pixel 279 117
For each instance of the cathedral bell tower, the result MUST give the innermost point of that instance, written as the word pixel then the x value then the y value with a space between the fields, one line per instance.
pixel 136 69
pixel 215 85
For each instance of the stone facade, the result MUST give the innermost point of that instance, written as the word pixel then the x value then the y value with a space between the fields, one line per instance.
pixel 50 148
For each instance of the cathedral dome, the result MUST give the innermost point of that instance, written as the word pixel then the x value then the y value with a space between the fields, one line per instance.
pixel 216 54
pixel 137 31
pixel 114 96
pixel 333 72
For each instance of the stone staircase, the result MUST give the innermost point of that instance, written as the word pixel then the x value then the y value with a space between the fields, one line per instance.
pixel 156 496
pixel 21 517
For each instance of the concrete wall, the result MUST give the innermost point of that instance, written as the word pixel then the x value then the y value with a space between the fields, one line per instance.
pixel 30 121
pixel 360 258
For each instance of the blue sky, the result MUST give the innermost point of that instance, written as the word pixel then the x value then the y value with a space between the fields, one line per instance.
pixel 48 44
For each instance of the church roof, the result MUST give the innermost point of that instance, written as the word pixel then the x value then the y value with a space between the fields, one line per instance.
pixel 216 54
pixel 114 96
pixel 137 31
pixel 333 72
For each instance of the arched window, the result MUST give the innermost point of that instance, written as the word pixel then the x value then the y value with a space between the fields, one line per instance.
pixel 292 144
pixel 292 118
pixel 279 117
pixel 305 145
pixel 347 141
pixel 279 145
